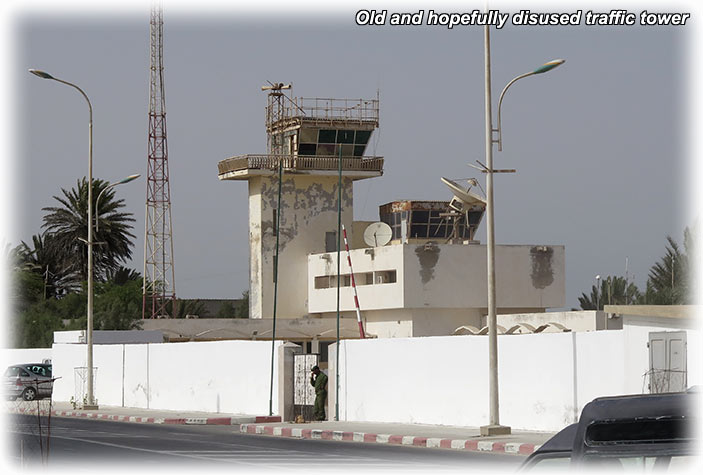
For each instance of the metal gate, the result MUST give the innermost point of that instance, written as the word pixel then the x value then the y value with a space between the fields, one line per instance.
pixel 304 393
pixel 667 362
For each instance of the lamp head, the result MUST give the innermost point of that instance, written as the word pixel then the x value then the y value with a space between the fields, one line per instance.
pixel 41 74
pixel 128 179
pixel 549 66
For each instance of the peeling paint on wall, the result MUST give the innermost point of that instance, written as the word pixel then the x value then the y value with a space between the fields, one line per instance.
pixel 313 200
pixel 542 273
pixel 428 256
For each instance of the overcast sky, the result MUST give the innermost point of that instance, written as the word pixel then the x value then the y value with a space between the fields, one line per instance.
pixel 602 144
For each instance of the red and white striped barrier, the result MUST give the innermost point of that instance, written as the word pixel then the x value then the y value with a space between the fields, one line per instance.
pixel 353 282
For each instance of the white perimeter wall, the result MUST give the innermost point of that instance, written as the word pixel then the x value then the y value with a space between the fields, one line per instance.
pixel 444 380
pixel 229 376
pixel 12 356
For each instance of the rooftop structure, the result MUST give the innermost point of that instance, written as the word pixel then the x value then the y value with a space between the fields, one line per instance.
pixel 308 135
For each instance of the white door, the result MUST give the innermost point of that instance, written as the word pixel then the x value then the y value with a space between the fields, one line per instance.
pixel 667 362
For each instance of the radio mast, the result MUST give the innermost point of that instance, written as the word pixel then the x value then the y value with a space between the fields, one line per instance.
pixel 159 274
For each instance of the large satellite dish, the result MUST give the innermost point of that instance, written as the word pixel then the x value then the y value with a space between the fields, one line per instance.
pixel 377 234
pixel 463 194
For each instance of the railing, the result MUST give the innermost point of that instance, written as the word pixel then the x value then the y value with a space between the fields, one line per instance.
pixel 293 162
pixel 361 110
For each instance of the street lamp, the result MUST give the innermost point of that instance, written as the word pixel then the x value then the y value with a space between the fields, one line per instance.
pixel 90 400
pixel 494 427
pixel 97 200
pixel 548 66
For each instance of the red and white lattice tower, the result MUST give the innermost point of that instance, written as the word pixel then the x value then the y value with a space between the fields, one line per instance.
pixel 159 275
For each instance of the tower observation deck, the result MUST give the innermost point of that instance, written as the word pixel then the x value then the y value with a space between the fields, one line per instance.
pixel 308 134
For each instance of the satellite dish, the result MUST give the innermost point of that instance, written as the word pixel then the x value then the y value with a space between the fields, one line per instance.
pixel 377 234
pixel 462 194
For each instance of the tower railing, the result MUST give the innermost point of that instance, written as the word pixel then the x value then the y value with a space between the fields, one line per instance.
pixel 296 162
pixel 357 110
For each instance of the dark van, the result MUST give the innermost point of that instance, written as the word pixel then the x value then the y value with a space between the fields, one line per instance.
pixel 633 433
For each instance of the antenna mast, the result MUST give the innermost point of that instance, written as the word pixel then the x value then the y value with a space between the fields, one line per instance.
pixel 159 275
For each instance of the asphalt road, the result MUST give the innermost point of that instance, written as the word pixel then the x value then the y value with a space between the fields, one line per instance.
pixel 83 445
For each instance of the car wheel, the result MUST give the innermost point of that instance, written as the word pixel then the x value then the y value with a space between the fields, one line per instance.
pixel 29 394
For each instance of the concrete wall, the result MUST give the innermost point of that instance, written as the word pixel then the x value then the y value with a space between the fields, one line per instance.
pixel 578 321
pixel 308 211
pixel 228 376
pixel 11 356
pixel 545 379
pixel 444 276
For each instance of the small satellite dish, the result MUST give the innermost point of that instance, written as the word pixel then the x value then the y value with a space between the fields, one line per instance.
pixel 377 234
pixel 462 194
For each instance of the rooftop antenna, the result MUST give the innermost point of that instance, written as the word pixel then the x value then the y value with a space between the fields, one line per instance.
pixel 275 111
pixel 460 205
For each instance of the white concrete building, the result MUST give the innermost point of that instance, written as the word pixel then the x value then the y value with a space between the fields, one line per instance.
pixel 432 289
pixel 430 276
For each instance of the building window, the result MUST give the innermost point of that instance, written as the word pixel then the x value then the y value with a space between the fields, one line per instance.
pixel 323 282
pixel 366 278
pixel 385 277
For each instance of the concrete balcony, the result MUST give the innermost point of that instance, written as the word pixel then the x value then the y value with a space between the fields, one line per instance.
pixel 243 167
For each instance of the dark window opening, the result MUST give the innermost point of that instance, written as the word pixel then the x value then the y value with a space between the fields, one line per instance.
pixel 307 149
pixel 327 136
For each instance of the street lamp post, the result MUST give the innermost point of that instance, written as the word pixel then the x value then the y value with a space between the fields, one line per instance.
pixel 90 402
pixel 494 427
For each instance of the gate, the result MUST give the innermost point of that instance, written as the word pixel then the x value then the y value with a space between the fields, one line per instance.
pixel 304 393
pixel 667 362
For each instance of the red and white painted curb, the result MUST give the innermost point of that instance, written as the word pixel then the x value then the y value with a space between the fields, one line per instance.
pixel 156 420
pixel 516 448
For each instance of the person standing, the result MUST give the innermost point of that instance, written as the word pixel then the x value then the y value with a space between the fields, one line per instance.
pixel 318 380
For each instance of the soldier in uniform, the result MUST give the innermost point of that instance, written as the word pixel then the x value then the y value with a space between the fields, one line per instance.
pixel 319 381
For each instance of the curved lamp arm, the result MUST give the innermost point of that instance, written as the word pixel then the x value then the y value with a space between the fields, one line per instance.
pixel 542 69
pixel 97 200
pixel 45 75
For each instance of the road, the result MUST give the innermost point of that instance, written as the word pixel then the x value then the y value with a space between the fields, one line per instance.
pixel 81 445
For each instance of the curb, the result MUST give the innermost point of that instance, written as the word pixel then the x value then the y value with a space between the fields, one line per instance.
pixel 514 448
pixel 158 420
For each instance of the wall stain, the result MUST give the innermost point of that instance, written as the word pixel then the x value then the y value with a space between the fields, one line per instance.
pixel 313 200
pixel 427 255
pixel 542 273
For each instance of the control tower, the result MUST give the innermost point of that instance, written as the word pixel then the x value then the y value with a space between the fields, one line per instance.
pixel 306 136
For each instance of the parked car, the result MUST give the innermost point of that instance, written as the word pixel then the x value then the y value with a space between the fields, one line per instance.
pixel 29 381
pixel 638 432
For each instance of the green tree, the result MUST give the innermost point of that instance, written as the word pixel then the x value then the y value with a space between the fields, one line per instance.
pixel 226 310
pixel 42 258
pixel 118 306
pixel 241 307
pixel 69 225
pixel 670 279
pixel 614 290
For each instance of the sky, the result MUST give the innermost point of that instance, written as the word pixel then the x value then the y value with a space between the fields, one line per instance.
pixel 603 145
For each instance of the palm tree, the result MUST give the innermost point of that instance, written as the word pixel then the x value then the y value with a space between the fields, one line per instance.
pixel 68 224
pixel 613 290
pixel 42 258
pixel 669 281
pixel 122 275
